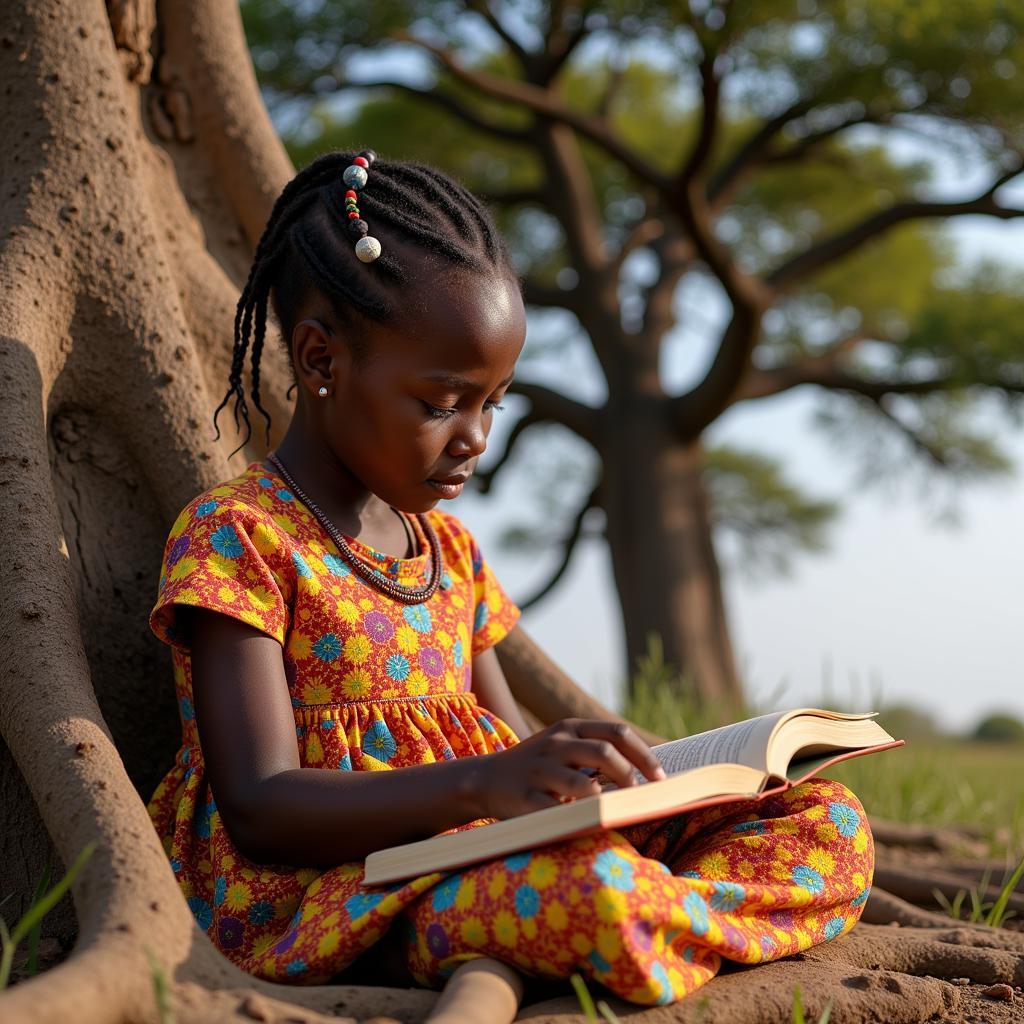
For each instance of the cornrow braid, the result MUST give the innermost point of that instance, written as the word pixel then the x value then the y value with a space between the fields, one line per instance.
pixel 307 244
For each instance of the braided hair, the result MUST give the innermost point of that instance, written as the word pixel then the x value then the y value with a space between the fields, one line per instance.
pixel 307 245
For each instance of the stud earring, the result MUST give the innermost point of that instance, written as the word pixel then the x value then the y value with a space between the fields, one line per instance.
pixel 323 391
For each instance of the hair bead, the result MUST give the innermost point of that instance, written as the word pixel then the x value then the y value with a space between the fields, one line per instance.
pixel 355 176
pixel 368 249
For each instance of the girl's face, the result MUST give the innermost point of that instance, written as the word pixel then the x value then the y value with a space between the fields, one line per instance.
pixel 409 417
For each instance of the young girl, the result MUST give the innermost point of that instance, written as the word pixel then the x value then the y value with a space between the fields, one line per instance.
pixel 333 639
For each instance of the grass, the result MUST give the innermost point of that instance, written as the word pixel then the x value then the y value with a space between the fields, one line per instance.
pixel 994 913
pixel 798 1009
pixel 30 923
pixel 161 990
pixel 591 1010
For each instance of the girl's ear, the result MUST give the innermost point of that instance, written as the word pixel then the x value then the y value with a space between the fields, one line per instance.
pixel 314 352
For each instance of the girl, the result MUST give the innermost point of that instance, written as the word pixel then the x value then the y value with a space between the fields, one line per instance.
pixel 333 639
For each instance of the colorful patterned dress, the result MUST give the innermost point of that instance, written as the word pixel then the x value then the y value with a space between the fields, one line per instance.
pixel 376 685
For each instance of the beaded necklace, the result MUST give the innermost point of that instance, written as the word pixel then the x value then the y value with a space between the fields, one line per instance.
pixel 406 595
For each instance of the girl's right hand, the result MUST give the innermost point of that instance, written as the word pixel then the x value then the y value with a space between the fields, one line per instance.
pixel 558 764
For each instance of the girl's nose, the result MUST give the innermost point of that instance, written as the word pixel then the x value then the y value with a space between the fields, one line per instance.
pixel 471 439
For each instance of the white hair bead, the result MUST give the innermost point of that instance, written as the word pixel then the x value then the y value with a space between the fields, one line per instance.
pixel 368 249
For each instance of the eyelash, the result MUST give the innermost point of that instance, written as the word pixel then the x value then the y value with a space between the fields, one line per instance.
pixel 440 413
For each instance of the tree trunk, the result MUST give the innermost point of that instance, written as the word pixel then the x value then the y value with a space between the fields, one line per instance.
pixel 659 533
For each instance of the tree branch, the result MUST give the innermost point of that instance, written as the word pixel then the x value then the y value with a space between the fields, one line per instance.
pixel 675 256
pixel 546 104
pixel 537 294
pixel 815 368
pixel 750 151
pixel 933 453
pixel 483 8
pixel 560 42
pixel 452 105
pixel 829 250
pixel 709 87
pixel 555 407
pixel 702 405
pixel 546 406
pixel 822 371
pixel 644 232
pixel 799 149
pixel 569 547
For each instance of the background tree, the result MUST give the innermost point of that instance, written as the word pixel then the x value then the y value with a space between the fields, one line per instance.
pixel 751 176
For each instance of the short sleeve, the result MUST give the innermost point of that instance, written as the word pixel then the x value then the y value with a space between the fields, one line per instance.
pixel 494 613
pixel 216 557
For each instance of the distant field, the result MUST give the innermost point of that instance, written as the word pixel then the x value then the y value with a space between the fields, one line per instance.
pixel 946 782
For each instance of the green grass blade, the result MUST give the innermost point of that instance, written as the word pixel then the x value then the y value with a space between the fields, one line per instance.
pixel 608 1013
pixel 997 914
pixel 161 991
pixel 586 1002
pixel 39 910
pixel 32 966
pixel 6 954
pixel 826 1013
pixel 958 902
pixel 947 907
pixel 798 1007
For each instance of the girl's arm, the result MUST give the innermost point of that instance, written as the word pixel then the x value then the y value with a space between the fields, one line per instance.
pixel 276 811
pixel 280 813
pixel 492 692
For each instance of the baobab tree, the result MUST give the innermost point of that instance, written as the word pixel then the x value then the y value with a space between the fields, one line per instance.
pixel 138 169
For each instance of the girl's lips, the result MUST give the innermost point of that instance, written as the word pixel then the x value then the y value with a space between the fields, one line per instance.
pixel 450 488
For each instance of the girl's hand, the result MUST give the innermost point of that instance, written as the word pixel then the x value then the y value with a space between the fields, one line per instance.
pixel 558 764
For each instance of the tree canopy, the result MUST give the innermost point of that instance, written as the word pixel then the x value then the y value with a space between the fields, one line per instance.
pixel 767 182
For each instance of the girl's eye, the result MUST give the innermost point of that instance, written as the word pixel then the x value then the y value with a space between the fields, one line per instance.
pixel 440 412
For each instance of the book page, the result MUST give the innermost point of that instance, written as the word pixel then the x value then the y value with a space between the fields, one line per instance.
pixel 741 743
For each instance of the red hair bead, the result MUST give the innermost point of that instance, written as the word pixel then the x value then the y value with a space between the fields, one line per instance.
pixel 361 161
pixel 351 194
pixel 353 215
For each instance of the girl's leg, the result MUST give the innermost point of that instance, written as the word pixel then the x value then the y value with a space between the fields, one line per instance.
pixel 777 876
pixel 650 912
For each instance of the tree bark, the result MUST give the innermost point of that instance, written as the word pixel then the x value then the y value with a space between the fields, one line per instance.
pixel 660 536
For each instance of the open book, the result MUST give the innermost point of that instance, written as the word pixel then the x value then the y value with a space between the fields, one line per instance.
pixel 750 759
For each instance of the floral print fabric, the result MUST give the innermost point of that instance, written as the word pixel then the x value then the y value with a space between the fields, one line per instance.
pixel 650 911
pixel 376 685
